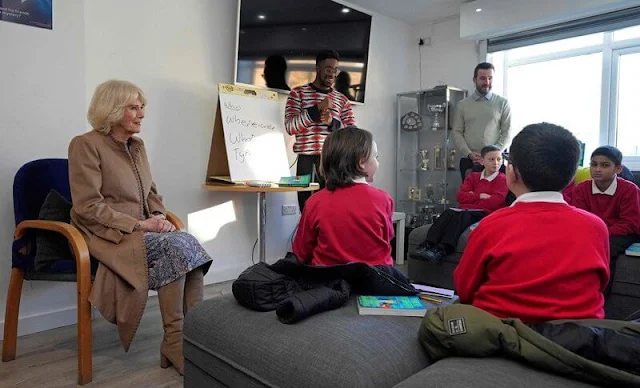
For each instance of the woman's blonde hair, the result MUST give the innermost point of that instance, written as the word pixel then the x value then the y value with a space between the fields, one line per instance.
pixel 109 101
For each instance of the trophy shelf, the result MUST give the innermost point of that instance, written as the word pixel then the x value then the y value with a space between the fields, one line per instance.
pixel 427 161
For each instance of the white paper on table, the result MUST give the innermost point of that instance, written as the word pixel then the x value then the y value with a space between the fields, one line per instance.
pixel 434 290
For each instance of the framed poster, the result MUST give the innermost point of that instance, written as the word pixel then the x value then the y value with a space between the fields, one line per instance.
pixel 35 13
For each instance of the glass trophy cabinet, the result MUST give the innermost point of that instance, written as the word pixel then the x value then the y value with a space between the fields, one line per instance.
pixel 428 176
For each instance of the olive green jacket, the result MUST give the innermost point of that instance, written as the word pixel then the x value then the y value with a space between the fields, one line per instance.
pixel 466 331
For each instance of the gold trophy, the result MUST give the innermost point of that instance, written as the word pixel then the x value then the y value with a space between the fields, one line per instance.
pixel 429 193
pixel 434 111
pixel 414 194
pixel 437 158
pixel 451 163
pixel 424 159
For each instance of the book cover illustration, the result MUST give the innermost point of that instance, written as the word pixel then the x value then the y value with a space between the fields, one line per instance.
pixel 391 305
pixel 295 181
pixel 633 250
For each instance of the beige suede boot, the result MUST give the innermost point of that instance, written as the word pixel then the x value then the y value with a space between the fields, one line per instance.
pixel 193 285
pixel 170 299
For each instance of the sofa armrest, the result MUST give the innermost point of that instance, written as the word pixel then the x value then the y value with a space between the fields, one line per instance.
pixel 419 234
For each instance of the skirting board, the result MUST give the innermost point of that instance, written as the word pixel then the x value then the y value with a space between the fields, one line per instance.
pixel 46 321
pixel 69 316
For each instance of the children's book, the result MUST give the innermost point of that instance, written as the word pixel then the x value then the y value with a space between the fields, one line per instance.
pixel 633 250
pixel 295 181
pixel 410 306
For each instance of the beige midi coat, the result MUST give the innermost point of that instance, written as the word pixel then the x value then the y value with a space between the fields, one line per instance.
pixel 111 190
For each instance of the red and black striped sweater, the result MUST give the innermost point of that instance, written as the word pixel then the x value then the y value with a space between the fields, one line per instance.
pixel 302 117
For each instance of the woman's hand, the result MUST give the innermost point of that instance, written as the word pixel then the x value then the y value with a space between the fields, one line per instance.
pixel 157 224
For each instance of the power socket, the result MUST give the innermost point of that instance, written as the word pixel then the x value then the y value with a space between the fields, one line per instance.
pixel 289 210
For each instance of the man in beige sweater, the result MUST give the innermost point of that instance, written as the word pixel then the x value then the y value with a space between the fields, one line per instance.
pixel 482 119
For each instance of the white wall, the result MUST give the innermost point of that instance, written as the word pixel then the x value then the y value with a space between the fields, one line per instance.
pixel 499 17
pixel 447 59
pixel 42 106
pixel 177 52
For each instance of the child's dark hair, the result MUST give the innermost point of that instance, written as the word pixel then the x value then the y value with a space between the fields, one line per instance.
pixel 609 152
pixel 489 148
pixel 342 153
pixel 545 156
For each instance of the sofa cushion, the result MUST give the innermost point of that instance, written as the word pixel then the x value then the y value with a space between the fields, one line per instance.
pixel 419 234
pixel 52 246
pixel 485 372
pixel 624 298
pixel 236 346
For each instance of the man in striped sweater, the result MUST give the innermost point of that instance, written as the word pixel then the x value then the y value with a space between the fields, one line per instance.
pixel 312 112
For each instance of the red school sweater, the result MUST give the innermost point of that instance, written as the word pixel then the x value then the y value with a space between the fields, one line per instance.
pixel 536 261
pixel 621 211
pixel 469 193
pixel 349 224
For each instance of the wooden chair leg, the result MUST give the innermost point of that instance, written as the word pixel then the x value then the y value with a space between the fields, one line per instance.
pixel 85 340
pixel 11 315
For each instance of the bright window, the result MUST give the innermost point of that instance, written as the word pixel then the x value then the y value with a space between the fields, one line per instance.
pixel 628 114
pixel 557 46
pixel 553 91
pixel 562 82
pixel 627 33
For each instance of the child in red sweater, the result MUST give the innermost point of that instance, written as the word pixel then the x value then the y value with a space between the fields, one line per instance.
pixel 539 259
pixel 480 194
pixel 615 200
pixel 349 220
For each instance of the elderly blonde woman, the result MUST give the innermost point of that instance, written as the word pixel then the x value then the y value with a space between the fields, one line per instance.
pixel 117 208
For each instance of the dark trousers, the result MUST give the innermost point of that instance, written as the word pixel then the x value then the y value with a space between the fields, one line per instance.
pixel 307 164
pixel 447 228
pixel 617 246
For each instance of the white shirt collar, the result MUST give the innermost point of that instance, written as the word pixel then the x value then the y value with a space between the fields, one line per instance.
pixel 477 96
pixel 540 196
pixel 361 180
pixel 491 177
pixel 611 190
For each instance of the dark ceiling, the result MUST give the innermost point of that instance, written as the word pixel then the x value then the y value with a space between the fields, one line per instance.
pixel 288 12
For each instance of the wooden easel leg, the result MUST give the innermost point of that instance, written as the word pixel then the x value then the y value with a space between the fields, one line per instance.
pixel 11 315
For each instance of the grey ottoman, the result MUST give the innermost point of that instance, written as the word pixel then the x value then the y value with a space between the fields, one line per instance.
pixel 226 344
pixel 485 372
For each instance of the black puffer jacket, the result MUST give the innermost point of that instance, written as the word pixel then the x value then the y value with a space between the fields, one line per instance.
pixel 297 290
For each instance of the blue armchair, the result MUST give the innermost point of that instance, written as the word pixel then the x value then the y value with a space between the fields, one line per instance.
pixel 31 185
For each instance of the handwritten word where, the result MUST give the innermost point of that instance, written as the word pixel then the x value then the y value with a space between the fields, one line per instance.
pixel 233 119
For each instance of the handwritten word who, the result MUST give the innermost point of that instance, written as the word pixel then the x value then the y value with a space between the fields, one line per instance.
pixel 231 106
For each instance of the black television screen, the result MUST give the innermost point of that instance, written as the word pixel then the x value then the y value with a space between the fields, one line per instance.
pixel 289 33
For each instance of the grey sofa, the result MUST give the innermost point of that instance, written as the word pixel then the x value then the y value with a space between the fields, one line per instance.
pixel 227 345
pixel 623 301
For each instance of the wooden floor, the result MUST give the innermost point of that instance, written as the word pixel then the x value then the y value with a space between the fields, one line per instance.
pixel 49 359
